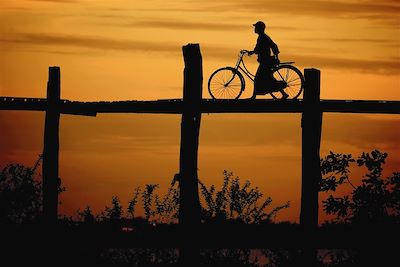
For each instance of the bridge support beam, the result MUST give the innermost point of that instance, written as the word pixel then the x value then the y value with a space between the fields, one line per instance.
pixel 189 209
pixel 311 174
pixel 51 149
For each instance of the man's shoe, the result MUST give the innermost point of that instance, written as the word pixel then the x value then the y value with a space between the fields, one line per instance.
pixel 280 85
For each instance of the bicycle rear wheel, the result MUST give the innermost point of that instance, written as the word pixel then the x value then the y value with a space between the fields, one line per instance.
pixel 226 83
pixel 292 77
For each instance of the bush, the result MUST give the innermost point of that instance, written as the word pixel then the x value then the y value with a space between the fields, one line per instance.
pixel 375 200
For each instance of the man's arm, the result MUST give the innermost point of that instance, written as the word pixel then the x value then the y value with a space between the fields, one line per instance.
pixel 256 48
pixel 274 46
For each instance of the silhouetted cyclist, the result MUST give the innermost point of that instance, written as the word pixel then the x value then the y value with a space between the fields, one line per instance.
pixel 264 81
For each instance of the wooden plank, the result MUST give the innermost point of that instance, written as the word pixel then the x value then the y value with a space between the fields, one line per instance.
pixel 361 106
pixel 22 103
pixel 175 106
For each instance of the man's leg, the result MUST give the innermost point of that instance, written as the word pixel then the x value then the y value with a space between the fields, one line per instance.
pixel 284 94
pixel 257 81
pixel 278 86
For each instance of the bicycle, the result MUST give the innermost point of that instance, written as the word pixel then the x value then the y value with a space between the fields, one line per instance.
pixel 229 83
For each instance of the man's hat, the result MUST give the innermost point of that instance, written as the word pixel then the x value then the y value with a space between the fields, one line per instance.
pixel 259 24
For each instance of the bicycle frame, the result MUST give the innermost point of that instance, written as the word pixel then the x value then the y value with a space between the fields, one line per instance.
pixel 244 70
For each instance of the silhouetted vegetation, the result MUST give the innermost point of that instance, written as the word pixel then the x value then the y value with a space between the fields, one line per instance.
pixel 375 200
pixel 236 202
pixel 233 202
pixel 20 194
pixel 372 205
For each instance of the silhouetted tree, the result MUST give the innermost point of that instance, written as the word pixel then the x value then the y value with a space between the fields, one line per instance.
pixel 86 215
pixel 236 202
pixel 132 203
pixel 147 198
pixel 375 200
pixel 20 194
pixel 233 201
pixel 167 207
pixel 113 213
pixel 373 206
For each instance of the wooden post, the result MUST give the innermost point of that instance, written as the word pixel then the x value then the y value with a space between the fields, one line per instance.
pixel 311 174
pixel 51 147
pixel 189 209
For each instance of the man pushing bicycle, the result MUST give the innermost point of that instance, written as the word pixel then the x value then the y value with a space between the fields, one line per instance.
pixel 264 81
pixel 272 77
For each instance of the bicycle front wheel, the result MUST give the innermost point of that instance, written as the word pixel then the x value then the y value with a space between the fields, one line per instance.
pixel 293 78
pixel 226 83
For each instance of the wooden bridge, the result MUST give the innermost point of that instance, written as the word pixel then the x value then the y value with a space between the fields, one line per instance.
pixel 191 107
pixel 176 106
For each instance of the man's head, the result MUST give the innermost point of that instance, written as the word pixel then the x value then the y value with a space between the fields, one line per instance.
pixel 259 27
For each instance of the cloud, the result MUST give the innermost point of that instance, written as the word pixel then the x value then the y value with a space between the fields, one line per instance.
pixel 361 133
pixel 191 25
pixel 116 132
pixel 378 66
pixel 88 42
pixel 127 132
pixel 123 20
pixel 186 25
pixel 16 8
pixel 352 40
pixel 383 10
pixel 192 9
pixel 57 1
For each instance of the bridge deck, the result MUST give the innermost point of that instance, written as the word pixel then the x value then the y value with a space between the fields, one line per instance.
pixel 176 106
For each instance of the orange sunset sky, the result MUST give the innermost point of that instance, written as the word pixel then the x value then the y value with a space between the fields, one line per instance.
pixel 131 50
